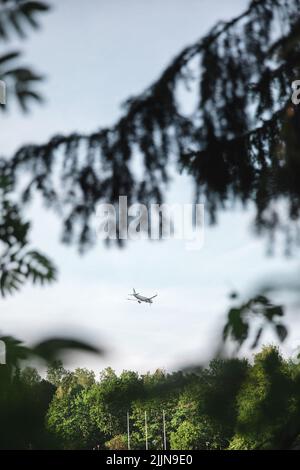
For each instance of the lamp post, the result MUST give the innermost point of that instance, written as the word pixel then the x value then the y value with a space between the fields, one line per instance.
pixel 146 430
pixel 164 430
pixel 128 431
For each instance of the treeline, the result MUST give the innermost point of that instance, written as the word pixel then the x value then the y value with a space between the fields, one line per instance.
pixel 230 404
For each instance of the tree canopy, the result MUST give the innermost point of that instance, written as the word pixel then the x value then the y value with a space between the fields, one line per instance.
pixel 239 143
pixel 229 404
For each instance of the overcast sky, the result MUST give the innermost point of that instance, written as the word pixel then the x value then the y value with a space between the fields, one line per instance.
pixel 95 54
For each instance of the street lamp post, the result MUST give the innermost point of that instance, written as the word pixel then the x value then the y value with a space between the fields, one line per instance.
pixel 128 431
pixel 164 430
pixel 146 430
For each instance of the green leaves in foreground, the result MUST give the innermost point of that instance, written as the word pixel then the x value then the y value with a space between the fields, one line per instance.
pixel 51 349
pixel 16 18
pixel 18 263
pixel 22 266
pixel 20 81
pixel 48 350
pixel 24 395
pixel 258 309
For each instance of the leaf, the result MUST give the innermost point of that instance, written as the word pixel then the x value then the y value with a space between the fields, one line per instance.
pixel 30 7
pixel 24 96
pixel 257 338
pixel 9 56
pixel 236 326
pixel 10 281
pixel 261 299
pixel 39 267
pixel 47 350
pixel 15 350
pixel 22 74
pixel 20 82
pixel 281 331
pixel 274 311
pixel 18 264
pixel 239 319
pixel 52 348
pixel 16 14
pixel 15 20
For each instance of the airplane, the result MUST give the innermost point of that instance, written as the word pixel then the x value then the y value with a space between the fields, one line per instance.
pixel 140 298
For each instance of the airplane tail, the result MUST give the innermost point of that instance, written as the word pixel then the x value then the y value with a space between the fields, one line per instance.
pixel 134 292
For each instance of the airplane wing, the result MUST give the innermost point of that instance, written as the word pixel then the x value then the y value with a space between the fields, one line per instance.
pixel 153 296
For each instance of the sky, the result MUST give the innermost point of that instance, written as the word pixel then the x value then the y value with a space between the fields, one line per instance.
pixel 94 55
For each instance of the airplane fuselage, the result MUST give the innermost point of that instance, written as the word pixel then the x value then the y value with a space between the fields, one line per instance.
pixel 141 298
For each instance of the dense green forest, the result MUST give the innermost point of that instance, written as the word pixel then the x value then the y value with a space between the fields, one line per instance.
pixel 229 404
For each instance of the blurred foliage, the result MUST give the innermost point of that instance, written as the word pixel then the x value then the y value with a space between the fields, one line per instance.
pixel 258 309
pixel 24 396
pixel 18 262
pixel 16 16
pixel 241 142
